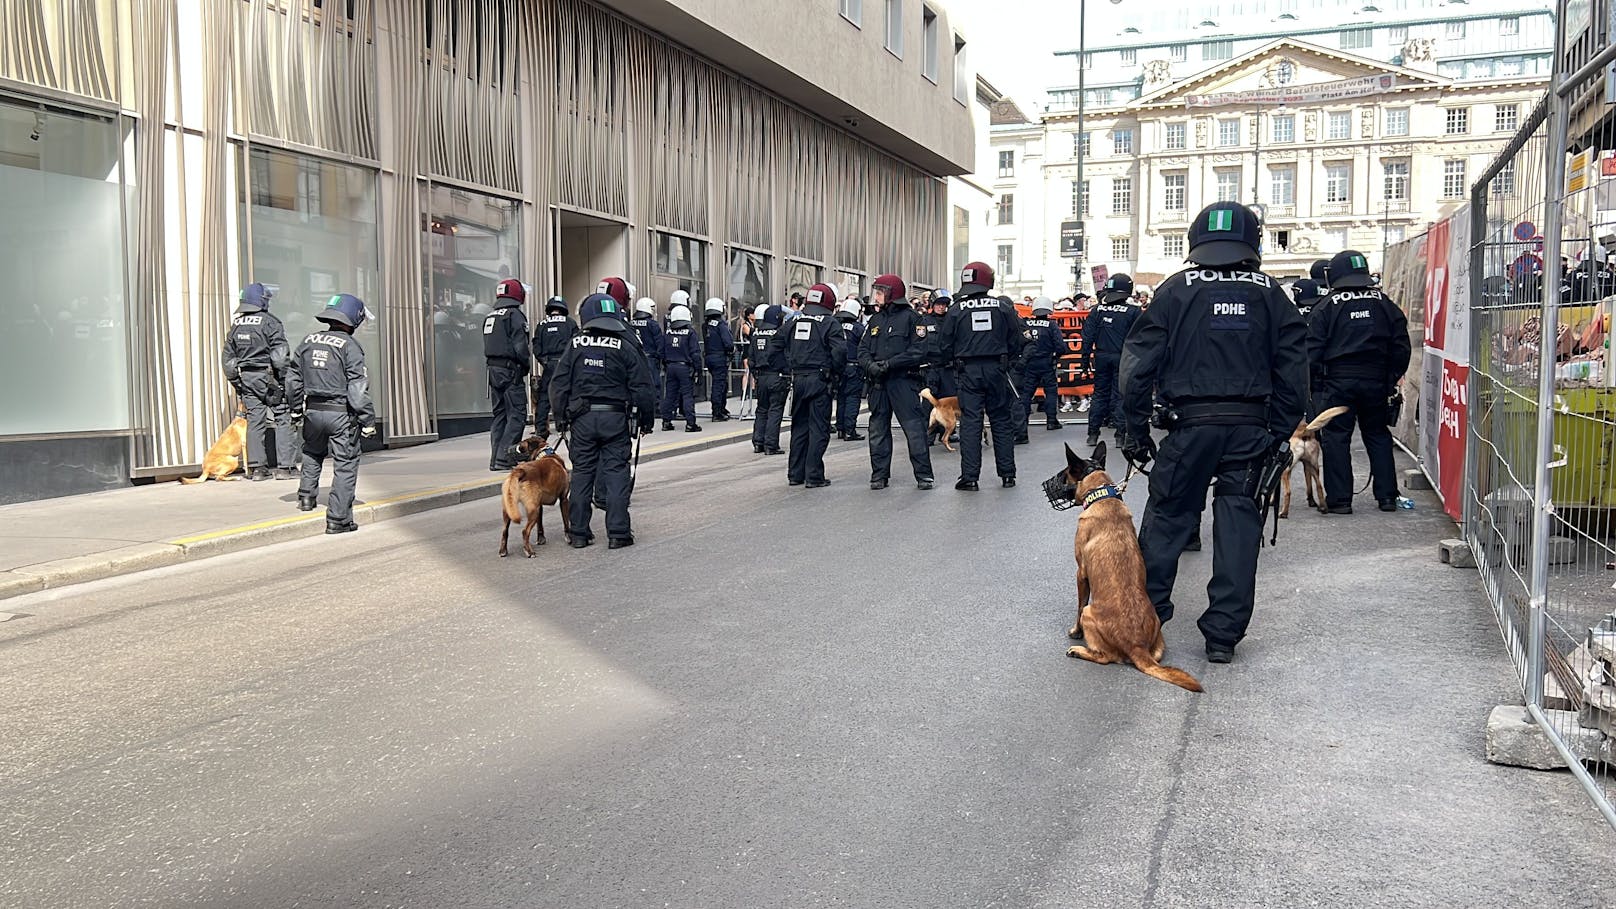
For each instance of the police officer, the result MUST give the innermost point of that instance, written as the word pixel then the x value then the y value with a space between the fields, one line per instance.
pixel 551 339
pixel 771 376
pixel 602 392
pixel 1104 332
pixel 505 348
pixel 817 352
pixel 255 362
pixel 979 336
pixel 937 372
pixel 718 345
pixel 1359 349
pixel 645 325
pixel 892 355
pixel 1041 350
pixel 1319 271
pixel 1307 295
pixel 329 384
pixel 682 348
pixel 850 387
pixel 1225 348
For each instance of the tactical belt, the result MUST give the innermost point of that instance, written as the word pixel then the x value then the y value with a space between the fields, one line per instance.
pixel 1221 413
pixel 988 358
pixel 327 405
pixel 617 407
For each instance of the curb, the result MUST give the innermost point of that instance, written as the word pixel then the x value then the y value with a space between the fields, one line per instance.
pixel 142 556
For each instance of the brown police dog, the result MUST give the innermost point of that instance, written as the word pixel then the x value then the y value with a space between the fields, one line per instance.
pixel 1115 620
pixel 945 414
pixel 1305 451
pixel 224 458
pixel 540 479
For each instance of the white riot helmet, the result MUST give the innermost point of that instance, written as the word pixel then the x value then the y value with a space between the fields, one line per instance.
pixel 714 305
pixel 761 311
pixel 679 298
pixel 679 314
pixel 645 306
pixel 631 290
pixel 849 308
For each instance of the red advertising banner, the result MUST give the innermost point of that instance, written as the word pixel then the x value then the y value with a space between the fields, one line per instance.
pixel 1436 286
pixel 1451 437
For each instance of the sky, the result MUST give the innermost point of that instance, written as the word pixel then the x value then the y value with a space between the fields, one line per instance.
pixel 1012 42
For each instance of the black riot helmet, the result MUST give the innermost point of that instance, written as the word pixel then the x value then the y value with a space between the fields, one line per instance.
pixel 1350 268
pixel 1320 273
pixel 1306 290
pixel 1117 288
pixel 602 312
pixel 1225 234
pixel 556 304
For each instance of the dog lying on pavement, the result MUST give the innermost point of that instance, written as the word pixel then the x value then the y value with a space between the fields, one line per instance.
pixel 1305 451
pixel 1115 619
pixel 224 458
pixel 540 479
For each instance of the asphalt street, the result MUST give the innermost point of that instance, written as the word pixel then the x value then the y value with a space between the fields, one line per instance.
pixel 780 697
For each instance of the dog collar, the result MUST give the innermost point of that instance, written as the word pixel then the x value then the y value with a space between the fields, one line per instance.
pixel 548 450
pixel 1100 494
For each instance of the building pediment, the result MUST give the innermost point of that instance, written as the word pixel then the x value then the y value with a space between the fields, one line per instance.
pixel 1283 64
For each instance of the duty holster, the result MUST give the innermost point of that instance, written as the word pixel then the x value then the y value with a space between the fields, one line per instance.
pixel 1394 408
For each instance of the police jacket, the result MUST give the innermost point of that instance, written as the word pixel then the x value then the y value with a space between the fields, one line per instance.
pixel 854 331
pixel 1307 305
pixel 979 327
pixel 256 342
pixel 814 341
pixel 505 335
pixel 766 356
pixel 932 327
pixel 650 337
pixel 552 338
pixel 1217 335
pixel 1043 342
pixel 681 346
pixel 1106 328
pixel 602 367
pixel 718 341
pixel 895 336
pixel 1358 333
pixel 328 369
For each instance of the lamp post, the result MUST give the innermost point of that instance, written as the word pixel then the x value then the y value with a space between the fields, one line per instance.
pixel 1082 98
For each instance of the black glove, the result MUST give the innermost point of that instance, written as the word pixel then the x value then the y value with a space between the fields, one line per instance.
pixel 277 393
pixel 646 426
pixel 1138 447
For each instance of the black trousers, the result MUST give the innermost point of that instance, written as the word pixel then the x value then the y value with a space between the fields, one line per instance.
pixel 507 396
pixel 1367 398
pixel 718 379
pixel 334 434
pixel 680 393
pixel 897 396
pixel 772 390
pixel 1037 376
pixel 810 427
pixel 600 444
pixel 541 393
pixel 849 394
pixel 264 419
pixel 1190 459
pixel 984 387
pixel 1106 408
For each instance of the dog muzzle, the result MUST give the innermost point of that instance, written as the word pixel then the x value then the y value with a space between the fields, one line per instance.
pixel 1061 493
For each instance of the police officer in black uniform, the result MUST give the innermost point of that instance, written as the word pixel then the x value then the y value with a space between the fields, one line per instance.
pixel 979 337
pixel 1359 350
pixel 506 349
pixel 718 345
pixel 937 371
pixel 1226 349
pixel 551 339
pixel 1104 332
pixel 1042 347
pixel 771 377
pixel 850 388
pixel 817 352
pixel 1308 296
pixel 602 393
pixel 892 355
pixel 681 345
pixel 328 382
pixel 1319 271
pixel 645 325
pixel 255 362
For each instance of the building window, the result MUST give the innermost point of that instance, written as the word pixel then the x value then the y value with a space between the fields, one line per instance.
pixel 929 61
pixel 1122 142
pixel 1217 50
pixel 1396 188
pixel 1509 25
pixel 1282 185
pixel 1173 246
pixel 1122 196
pixel 962 73
pixel 1087 61
pixel 1337 182
pixel 1130 57
pixel 1455 30
pixel 1280 240
pixel 1083 145
pixel 1504 183
pixel 1121 249
pixel 1177 136
pixel 1174 191
pixel 468 236
pixel 853 11
pixel 1398 34
pixel 1179 53
pixel 1080 198
pixel 895 28
pixel 1229 132
pixel 1453 178
pixel 962 237
pixel 1007 208
pixel 1510 66
pixel 1507 118
pixel 1458 121
pixel 1282 128
pixel 1356 38
pixel 1228 186
pixel 1007 260
pixel 1007 164
pixel 1338 125
pixel 1396 121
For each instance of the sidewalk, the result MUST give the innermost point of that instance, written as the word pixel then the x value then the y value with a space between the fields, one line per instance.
pixel 58 542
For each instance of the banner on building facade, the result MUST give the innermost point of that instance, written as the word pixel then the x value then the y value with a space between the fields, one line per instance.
pixel 1317 93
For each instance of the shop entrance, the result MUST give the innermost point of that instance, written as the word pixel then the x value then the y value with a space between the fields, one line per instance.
pixel 588 249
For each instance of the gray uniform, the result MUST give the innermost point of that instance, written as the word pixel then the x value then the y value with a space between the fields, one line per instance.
pixel 329 381
pixel 255 362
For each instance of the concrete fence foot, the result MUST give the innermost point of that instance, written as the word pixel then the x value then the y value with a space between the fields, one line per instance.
pixel 1456 553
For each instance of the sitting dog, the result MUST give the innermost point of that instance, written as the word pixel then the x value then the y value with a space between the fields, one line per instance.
pixel 540 479
pixel 224 458
pixel 1305 451
pixel 1115 619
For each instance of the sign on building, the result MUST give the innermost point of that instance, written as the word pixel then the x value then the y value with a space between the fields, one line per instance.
pixel 1316 93
pixel 1071 240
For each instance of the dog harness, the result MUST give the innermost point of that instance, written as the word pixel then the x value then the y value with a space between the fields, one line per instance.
pixel 1101 493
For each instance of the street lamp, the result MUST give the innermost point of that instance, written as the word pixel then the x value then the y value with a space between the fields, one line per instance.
pixel 1082 102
